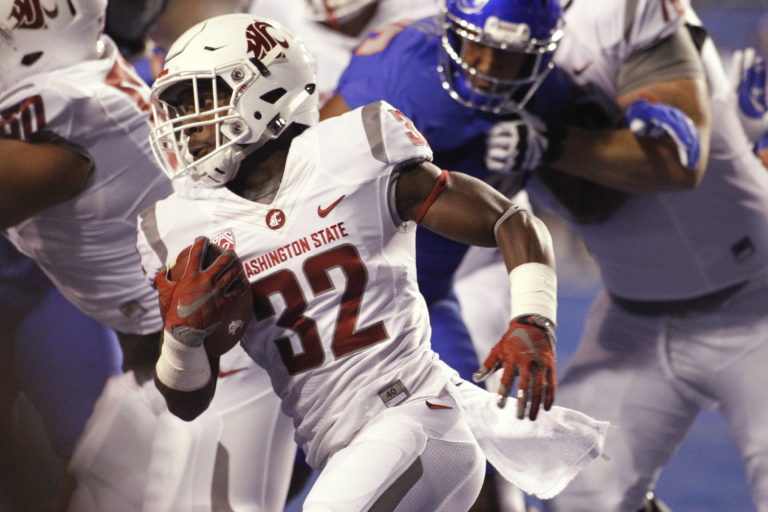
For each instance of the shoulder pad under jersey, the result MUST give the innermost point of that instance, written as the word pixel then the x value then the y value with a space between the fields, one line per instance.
pixel 624 27
pixel 362 142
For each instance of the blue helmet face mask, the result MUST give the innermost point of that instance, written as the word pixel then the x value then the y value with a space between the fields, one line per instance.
pixel 496 53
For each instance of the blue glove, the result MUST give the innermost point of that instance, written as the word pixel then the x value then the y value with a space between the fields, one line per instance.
pixel 748 76
pixel 657 120
pixel 751 88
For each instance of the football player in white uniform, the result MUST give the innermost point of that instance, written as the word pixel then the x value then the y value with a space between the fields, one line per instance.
pixel 322 218
pixel 77 169
pixel 653 170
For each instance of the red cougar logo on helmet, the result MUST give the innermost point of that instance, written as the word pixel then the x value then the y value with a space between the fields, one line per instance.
pixel 260 41
pixel 31 14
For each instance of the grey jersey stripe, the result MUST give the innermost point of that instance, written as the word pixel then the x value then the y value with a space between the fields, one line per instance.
pixel 630 8
pixel 391 498
pixel 151 231
pixel 372 127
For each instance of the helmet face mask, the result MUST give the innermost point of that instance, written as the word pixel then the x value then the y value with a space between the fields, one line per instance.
pixel 46 35
pixel 230 84
pixel 496 53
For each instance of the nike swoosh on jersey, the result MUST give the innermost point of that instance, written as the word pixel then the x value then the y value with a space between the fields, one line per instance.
pixel 185 311
pixel 227 373
pixel 323 212
pixel 436 406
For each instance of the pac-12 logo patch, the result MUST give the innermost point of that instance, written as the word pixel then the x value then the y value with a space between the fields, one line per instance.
pixel 225 240
pixel 275 219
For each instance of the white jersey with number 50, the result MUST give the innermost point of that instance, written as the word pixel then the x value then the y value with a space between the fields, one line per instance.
pixel 86 245
pixel 339 318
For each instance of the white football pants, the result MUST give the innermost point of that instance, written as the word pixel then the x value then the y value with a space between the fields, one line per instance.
pixel 409 458
pixel 650 375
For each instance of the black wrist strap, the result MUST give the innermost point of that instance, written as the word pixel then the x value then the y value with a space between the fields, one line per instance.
pixel 556 136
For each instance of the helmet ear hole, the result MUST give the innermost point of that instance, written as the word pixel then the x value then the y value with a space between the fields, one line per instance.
pixel 31 58
pixel 274 95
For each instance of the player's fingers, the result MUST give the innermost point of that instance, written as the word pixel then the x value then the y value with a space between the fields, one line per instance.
pixel 199 248
pixel 222 266
pixel 501 130
pixel 507 379
pixel 164 286
pixel 503 393
pixel 736 70
pixel 761 77
pixel 490 365
pixel 238 283
pixel 748 58
pixel 537 389
pixel 550 377
pixel 523 391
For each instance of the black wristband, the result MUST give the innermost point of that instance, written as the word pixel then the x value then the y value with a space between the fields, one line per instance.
pixel 556 136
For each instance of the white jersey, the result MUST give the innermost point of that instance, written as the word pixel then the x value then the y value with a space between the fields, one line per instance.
pixel 331 48
pixel 340 324
pixel 674 245
pixel 86 245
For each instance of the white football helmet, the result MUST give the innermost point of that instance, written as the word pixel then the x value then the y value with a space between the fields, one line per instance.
pixel 259 79
pixel 45 35
pixel 333 11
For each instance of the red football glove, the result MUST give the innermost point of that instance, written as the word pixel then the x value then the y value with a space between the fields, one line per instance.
pixel 192 305
pixel 526 350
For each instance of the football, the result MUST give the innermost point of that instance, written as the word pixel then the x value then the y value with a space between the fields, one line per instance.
pixel 236 316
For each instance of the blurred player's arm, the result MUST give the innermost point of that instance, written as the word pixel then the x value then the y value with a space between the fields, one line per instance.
pixel 670 75
pixel 36 176
pixel 334 107
pixel 468 210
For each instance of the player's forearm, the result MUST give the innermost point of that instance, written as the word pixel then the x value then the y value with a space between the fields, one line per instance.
pixel 34 177
pixel 620 160
pixel 186 377
pixel 526 245
pixel 523 238
pixel 187 405
pixel 632 163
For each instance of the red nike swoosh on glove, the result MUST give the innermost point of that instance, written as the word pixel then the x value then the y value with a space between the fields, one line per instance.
pixel 185 311
pixel 323 212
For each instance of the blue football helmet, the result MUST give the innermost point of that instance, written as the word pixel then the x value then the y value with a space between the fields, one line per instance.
pixel 496 53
